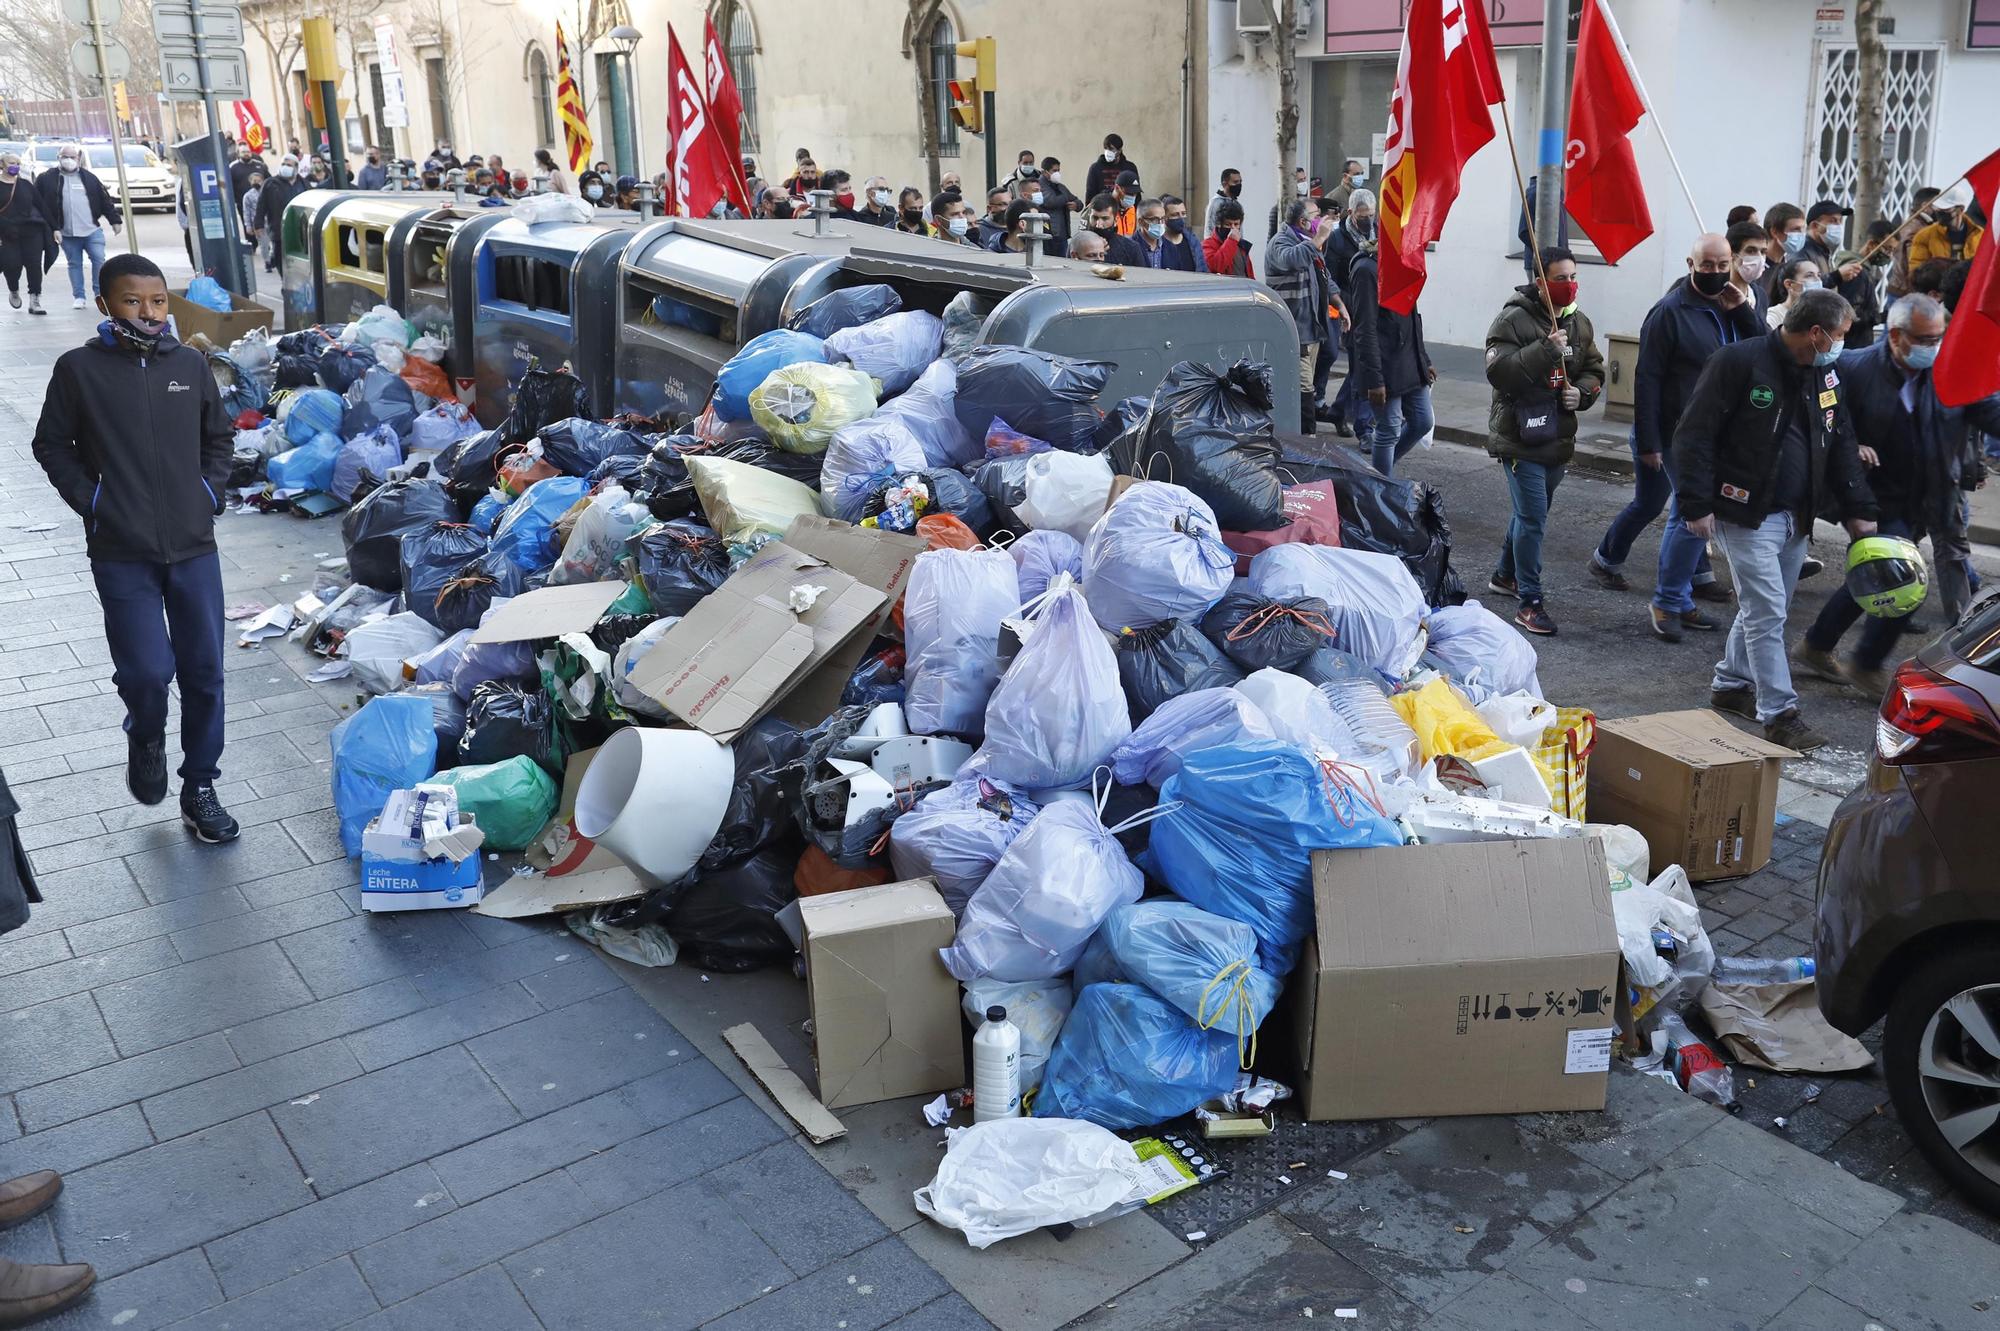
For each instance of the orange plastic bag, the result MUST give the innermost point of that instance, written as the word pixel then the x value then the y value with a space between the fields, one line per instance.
pixel 944 532
pixel 817 875
pixel 428 377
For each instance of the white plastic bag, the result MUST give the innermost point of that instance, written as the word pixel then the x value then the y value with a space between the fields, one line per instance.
pixel 1301 715
pixel 1666 902
pixel 1483 653
pixel 1376 606
pixel 629 654
pixel 1032 917
pixel 1038 1007
pixel 380 324
pixel 1625 850
pixel 442 426
pixel 428 347
pixel 391 356
pixel 1059 711
pixel 1518 718
pixel 538 208
pixel 1064 492
pixel 647 945
pixel 1040 555
pixel 1183 725
pixel 956 835
pixel 895 348
pixel 862 456
pixel 926 408
pixel 1155 555
pixel 378 649
pixel 597 538
pixel 951 630
pixel 1012 1176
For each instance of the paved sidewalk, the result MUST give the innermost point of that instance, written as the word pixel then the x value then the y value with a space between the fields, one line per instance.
pixel 275 1111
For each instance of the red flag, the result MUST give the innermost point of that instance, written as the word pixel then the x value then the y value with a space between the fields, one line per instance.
pixel 250 131
pixel 1446 79
pixel 726 105
pixel 1968 365
pixel 1601 188
pixel 697 162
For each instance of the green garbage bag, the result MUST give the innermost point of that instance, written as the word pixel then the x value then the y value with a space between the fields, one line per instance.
pixel 510 800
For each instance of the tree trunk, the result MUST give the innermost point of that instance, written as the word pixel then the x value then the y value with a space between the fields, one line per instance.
pixel 1284 50
pixel 923 13
pixel 1871 169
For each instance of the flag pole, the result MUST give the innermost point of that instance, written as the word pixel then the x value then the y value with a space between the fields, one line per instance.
pixel 1521 193
pixel 1892 237
pixel 1646 100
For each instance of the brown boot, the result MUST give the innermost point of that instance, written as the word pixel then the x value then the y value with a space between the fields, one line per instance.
pixel 29 1195
pixel 30 1293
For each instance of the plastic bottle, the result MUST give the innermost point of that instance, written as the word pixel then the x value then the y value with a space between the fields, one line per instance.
pixel 1697 1068
pixel 1762 970
pixel 996 1068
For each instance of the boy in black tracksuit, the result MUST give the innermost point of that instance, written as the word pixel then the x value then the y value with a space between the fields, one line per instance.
pixel 134 438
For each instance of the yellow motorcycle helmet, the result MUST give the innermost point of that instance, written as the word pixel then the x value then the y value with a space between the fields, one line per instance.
pixel 1886 576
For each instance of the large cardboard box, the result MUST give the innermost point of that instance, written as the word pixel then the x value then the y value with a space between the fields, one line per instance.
pixel 1703 793
pixel 1470 978
pixel 884 1009
pixel 217 327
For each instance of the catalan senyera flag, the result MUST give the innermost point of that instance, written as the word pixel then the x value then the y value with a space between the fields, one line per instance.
pixel 250 129
pixel 698 166
pixel 569 108
pixel 1968 364
pixel 1446 78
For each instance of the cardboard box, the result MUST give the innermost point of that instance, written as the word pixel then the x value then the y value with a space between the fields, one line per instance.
pixel 1471 978
pixel 219 328
pixel 1703 793
pixel 884 1009
pixel 879 559
pixel 549 612
pixel 425 885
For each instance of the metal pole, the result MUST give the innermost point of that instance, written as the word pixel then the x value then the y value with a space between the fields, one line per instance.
pixel 111 119
pixel 1555 132
pixel 632 117
pixel 239 278
pixel 992 142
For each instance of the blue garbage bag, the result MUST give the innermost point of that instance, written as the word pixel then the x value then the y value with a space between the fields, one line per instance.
pixel 527 530
pixel 951 628
pixel 373 452
pixel 1187 724
pixel 956 835
pixel 486 513
pixel 1156 555
pixel 379 399
pixel 206 291
pixel 741 374
pixel 314 412
pixel 846 308
pixel 1040 555
pixel 390 744
pixel 1237 839
pixel 575 446
pixel 1201 963
pixel 1127 1058
pixel 307 467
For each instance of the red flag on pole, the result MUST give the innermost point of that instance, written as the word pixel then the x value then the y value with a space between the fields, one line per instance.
pixel 697 162
pixel 1446 79
pixel 1968 365
pixel 726 105
pixel 1601 186
pixel 250 131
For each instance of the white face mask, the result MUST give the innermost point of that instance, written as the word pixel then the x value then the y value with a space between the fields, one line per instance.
pixel 1834 235
pixel 958 226
pixel 1299 187
pixel 68 164
pixel 1751 266
pixel 593 191
pixel 1055 177
pixel 1036 198
pixel 881 197
pixel 288 170
pixel 1110 154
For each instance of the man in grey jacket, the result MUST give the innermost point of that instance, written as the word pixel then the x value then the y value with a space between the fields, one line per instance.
pixel 1295 270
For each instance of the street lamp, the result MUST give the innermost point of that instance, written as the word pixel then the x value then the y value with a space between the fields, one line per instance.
pixel 626 37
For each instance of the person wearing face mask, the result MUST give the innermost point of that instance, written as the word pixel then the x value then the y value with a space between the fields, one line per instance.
pixel 1060 203
pixel 1698 316
pixel 1920 460
pixel 953 220
pixel 279 191
pixel 992 228
pixel 1024 165
pixel 1183 247
pixel 1353 176
pixel 240 169
pixel 1794 276
pixel 1392 366
pixel 1350 413
pixel 1826 232
pixel 805 178
pixel 1766 443
pixel 372 175
pixel 134 438
pixel 591 186
pixel 910 212
pixel 1151 232
pixel 626 193
pixel 1747 243
pixel 1230 187
pixel 1295 270
pixel 75 200
pixel 1224 250
pixel 1543 373
pixel 1951 236
pixel 1785 223
pixel 1107 167
pixel 447 159
pixel 878 203
pixel 25 231
pixel 1032 192
pixel 1103 219
pixel 1125 196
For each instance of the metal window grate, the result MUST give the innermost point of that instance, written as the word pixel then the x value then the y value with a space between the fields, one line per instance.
pixel 1909 96
pixel 743 68
pixel 943 47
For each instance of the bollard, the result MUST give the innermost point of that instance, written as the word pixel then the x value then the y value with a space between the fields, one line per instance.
pixel 822 208
pixel 1038 231
pixel 646 200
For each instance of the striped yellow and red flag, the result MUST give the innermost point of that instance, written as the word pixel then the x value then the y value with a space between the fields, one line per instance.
pixel 569 106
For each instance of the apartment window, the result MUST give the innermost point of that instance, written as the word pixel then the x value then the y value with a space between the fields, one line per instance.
pixel 439 88
pixel 542 89
pixel 943 46
pixel 743 68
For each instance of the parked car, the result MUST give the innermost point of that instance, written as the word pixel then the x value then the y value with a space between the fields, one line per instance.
pixel 151 181
pixel 1909 903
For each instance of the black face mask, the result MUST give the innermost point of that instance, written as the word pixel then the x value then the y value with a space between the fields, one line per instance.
pixel 139 336
pixel 1234 191
pixel 913 215
pixel 1710 284
pixel 1105 231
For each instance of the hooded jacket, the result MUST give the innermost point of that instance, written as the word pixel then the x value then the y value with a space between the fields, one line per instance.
pixel 139 447
pixel 1521 359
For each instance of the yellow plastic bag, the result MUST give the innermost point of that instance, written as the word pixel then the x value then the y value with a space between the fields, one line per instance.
pixel 801 405
pixel 1446 724
pixel 1564 754
pixel 742 502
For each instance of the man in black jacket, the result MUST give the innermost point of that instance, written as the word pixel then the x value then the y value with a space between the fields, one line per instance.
pixel 76 203
pixel 134 438
pixel 1764 445
pixel 278 193
pixel 1391 364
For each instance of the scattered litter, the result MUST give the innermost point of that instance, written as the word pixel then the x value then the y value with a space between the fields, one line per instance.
pixel 783 1084
pixel 114 1238
pixel 1285 1179
pixel 1779 1122
pixel 1347 1312
pixel 1463 1229
pixel 245 610
pixel 1575 1286
pixel 272 623
pixel 937 1113
pixel 124 1316
pixel 429 1198
pixel 548 1086
pixel 40 526
pixel 1196 1236
pixel 308 1099
pixel 1335 1174
pixel 331 671
pixel 1296 1164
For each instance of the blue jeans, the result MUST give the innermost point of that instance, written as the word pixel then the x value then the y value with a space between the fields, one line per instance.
pixel 1765 562
pixel 1650 490
pixel 163 623
pixel 1351 403
pixel 74 248
pixel 1683 559
pixel 1403 421
pixel 1878 635
pixel 1532 487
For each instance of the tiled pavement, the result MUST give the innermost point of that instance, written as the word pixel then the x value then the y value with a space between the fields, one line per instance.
pixel 274 1111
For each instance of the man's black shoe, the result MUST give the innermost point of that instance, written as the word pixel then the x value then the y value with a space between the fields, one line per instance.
pixel 146 768
pixel 204 814
pixel 1713 592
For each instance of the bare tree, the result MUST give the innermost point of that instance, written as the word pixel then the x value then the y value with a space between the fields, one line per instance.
pixel 37 46
pixel 1870 169
pixel 917 27
pixel 280 26
pixel 1283 15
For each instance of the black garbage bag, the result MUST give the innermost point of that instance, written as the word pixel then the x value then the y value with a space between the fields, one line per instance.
pixel 1330 665
pixel 1045 396
pixel 770 765
pixel 470 467
pixel 246 465
pixel 576 445
pixel 1258 633
pixel 1129 414
pixel 621 468
pixel 294 371
pixel 505 719
pixel 1003 481
pixel 447 717
pixel 341 366
pixel 1404 518
pixel 385 399
pixel 1165 660
pixel 613 631
pixel 375 526
pixel 464 600
pixel 951 493
pixel 878 679
pixel 679 563
pixel 662 481
pixel 726 918
pixel 543 398
pixel 848 308
pixel 429 557
pixel 1211 432
pixel 822 803
pixel 307 342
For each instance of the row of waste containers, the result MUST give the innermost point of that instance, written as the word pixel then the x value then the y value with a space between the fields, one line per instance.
pixel 646 310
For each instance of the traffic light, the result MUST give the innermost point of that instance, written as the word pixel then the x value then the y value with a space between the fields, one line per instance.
pixel 969 96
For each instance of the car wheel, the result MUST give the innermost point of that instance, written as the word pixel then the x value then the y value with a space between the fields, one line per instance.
pixel 1941 1052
